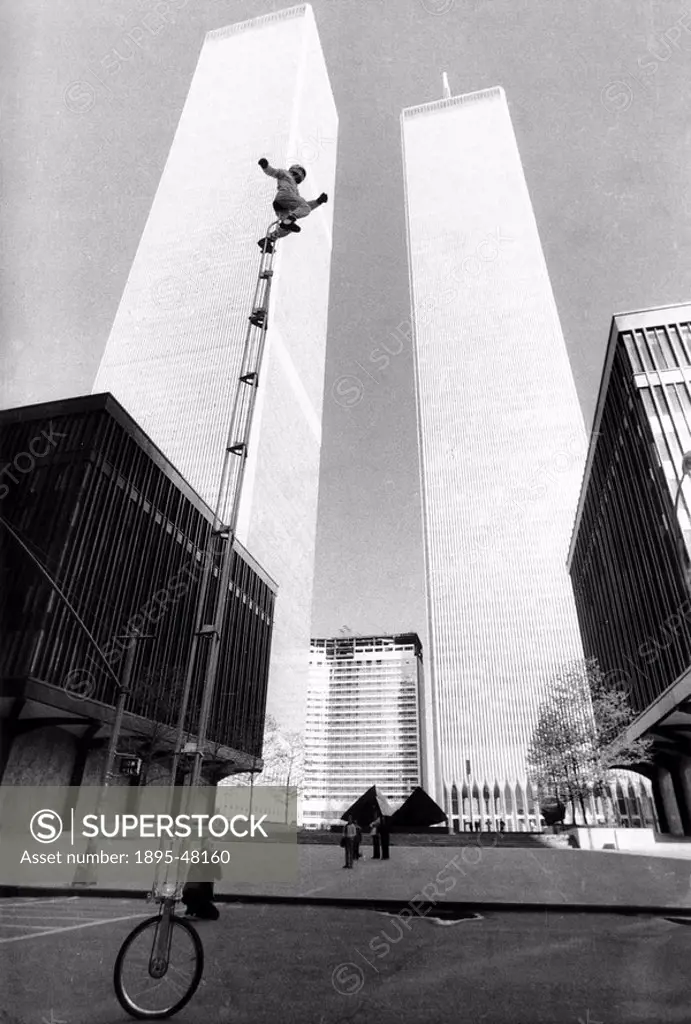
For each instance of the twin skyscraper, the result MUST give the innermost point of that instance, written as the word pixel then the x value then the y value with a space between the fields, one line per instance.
pixel 501 437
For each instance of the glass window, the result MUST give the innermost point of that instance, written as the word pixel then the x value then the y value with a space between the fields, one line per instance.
pixel 659 360
pixel 675 340
pixel 651 412
pixel 632 352
pixel 644 351
pixel 684 331
pixel 679 418
pixel 663 343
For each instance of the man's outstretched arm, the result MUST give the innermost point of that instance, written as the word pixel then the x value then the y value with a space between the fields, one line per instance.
pixel 319 201
pixel 267 168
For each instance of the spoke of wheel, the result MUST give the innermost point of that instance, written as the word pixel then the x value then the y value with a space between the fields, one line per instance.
pixel 159 983
pixel 176 970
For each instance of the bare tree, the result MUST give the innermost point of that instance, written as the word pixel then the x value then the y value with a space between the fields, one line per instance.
pixel 283 760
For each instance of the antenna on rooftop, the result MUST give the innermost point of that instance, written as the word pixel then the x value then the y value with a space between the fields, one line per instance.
pixel 445 85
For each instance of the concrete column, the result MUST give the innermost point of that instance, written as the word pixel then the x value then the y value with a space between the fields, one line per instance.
pixel 684 775
pixel 669 801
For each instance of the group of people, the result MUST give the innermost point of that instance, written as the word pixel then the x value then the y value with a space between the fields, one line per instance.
pixel 352 840
pixel 476 826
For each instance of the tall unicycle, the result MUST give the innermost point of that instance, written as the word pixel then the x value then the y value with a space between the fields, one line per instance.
pixel 160 963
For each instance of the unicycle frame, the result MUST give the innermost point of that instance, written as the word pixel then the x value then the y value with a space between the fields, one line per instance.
pixel 160 951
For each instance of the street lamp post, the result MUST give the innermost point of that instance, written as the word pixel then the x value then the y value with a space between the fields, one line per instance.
pixel 120 708
pixel 86 873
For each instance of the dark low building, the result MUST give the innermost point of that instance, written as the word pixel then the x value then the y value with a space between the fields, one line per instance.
pixel 630 550
pixel 123 537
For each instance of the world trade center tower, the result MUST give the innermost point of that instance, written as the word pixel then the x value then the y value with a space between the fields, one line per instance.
pixel 260 89
pixel 502 446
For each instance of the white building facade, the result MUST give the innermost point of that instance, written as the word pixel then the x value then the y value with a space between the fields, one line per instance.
pixel 363 714
pixel 502 446
pixel 260 88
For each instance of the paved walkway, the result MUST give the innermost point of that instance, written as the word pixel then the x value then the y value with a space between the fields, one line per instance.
pixel 473 874
pixel 477 874
pixel 325 965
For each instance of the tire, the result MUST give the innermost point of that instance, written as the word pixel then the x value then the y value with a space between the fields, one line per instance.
pixel 124 999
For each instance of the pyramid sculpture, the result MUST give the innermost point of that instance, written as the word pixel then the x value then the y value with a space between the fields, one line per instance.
pixel 372 804
pixel 418 810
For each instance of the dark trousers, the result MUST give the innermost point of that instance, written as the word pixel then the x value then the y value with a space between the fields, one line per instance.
pixel 376 848
pixel 296 209
pixel 384 838
pixel 349 849
pixel 198 899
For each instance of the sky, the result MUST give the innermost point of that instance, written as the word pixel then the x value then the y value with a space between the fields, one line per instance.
pixel 598 94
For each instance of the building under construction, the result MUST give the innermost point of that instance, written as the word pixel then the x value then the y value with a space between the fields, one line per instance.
pixel 363 722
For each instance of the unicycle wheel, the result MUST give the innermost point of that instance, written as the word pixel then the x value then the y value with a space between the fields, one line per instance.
pixel 151 988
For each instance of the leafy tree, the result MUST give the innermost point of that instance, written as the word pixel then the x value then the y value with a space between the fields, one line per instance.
pixel 578 741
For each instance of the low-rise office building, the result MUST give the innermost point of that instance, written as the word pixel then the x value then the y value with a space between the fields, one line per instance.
pixel 103 544
pixel 630 551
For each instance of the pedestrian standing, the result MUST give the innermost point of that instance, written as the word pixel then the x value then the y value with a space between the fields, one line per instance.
pixel 376 844
pixel 358 840
pixel 349 834
pixel 384 837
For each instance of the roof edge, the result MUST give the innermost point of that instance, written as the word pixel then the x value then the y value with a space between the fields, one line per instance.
pixel 106 402
pixel 494 92
pixel 259 22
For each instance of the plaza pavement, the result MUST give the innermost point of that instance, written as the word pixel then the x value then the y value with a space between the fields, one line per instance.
pixel 475 874
pixel 330 965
